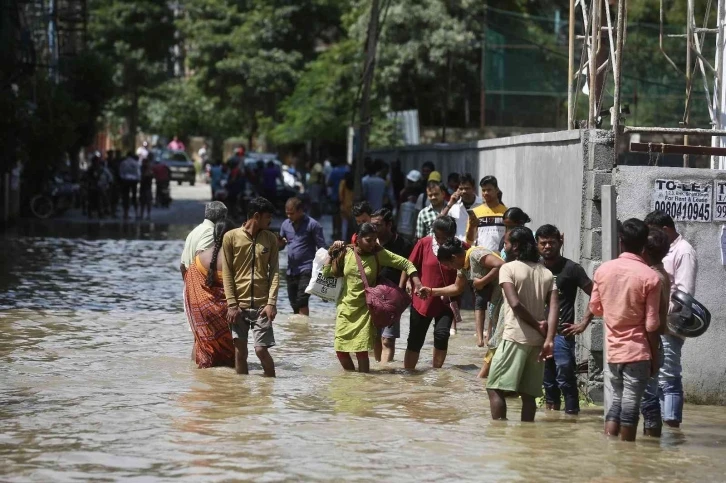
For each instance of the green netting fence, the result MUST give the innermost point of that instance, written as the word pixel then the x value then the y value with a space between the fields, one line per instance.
pixel 525 73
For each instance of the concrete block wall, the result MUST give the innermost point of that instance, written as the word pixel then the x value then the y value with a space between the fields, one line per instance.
pixel 599 158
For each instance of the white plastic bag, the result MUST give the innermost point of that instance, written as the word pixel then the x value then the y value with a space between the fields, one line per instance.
pixel 327 288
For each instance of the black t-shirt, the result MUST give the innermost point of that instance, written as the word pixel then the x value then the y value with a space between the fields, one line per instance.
pixel 401 247
pixel 568 277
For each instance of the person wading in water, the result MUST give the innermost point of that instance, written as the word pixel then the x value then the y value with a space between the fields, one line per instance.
pixel 385 345
pixel 251 281
pixel 206 305
pixel 354 331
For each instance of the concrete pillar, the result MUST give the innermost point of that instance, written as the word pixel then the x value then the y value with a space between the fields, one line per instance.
pixel 596 242
pixel 609 223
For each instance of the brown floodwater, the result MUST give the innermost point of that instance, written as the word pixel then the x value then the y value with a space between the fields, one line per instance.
pixel 97 385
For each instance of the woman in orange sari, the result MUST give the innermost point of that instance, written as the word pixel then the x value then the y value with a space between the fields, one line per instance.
pixel 207 305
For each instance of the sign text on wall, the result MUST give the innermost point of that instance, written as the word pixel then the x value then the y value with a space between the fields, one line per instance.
pixel 719 200
pixel 684 200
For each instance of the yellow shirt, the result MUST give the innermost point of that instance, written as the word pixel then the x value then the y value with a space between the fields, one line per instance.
pixel 251 270
pixel 346 199
pixel 491 226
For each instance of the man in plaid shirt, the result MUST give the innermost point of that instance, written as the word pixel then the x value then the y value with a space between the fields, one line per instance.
pixel 435 193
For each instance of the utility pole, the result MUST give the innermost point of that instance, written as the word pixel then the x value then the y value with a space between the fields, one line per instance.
pixel 689 77
pixel 482 81
pixel 719 86
pixel 571 68
pixel 365 101
pixel 53 40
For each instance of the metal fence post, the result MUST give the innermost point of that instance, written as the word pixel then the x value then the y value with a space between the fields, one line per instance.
pixel 609 252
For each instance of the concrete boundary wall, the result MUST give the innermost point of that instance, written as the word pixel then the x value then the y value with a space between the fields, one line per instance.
pixel 448 158
pixel 543 175
pixel 540 173
pixel 704 358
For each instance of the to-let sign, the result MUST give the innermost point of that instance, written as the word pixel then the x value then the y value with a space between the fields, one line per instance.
pixel 684 200
pixel 719 200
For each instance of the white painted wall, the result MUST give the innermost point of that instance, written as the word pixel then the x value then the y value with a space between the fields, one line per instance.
pixel 540 173
pixel 543 175
pixel 704 358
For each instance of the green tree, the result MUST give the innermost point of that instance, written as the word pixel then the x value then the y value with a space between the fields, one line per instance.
pixel 135 36
pixel 87 78
pixel 248 55
pixel 322 104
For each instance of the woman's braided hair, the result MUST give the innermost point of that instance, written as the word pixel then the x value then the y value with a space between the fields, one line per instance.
pixel 220 228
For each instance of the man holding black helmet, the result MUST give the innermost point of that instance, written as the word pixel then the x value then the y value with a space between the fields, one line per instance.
pixel 681 265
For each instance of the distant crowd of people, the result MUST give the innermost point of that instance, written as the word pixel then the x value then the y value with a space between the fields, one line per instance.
pixel 237 180
pixel 125 182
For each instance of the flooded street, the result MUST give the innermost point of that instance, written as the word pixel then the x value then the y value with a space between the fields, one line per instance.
pixel 97 385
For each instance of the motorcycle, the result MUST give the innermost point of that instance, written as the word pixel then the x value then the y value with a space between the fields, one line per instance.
pixel 55 199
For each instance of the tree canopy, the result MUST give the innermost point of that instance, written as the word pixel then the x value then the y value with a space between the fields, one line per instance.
pixel 290 72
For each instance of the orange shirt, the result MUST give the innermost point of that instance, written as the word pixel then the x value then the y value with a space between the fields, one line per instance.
pixel 626 293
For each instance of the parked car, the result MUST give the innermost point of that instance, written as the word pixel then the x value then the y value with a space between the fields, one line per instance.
pixel 181 165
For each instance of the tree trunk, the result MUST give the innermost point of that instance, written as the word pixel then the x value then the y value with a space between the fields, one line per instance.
pixel 252 135
pixel 132 120
pixel 447 96
pixel 217 148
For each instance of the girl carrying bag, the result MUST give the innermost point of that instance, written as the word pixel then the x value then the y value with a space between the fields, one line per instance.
pixel 386 301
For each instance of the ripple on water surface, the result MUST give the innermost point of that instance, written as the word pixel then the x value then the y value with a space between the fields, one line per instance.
pixel 97 385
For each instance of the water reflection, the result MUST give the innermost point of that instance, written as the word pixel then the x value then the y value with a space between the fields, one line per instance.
pixel 97 385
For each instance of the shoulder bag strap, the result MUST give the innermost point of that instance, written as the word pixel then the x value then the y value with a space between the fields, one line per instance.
pixel 360 267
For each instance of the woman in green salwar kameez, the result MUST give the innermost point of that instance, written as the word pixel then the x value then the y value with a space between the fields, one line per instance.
pixel 354 331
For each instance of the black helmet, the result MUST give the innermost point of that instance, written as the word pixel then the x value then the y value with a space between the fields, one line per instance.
pixel 689 318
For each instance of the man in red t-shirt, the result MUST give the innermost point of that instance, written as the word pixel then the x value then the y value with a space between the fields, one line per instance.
pixel 162 175
pixel 438 309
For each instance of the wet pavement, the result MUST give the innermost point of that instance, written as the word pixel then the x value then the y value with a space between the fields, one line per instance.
pixel 97 385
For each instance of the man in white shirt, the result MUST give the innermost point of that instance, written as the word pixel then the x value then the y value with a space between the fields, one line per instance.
pixel 682 266
pixel 130 174
pixel 143 152
pixel 461 202
pixel 203 154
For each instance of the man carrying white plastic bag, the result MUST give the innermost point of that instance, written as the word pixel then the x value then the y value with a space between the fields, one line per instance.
pixel 327 288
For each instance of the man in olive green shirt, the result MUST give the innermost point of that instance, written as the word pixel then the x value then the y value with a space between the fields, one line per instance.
pixel 251 280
